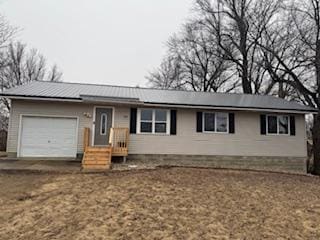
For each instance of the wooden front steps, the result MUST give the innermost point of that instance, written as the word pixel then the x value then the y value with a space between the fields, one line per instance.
pixel 97 158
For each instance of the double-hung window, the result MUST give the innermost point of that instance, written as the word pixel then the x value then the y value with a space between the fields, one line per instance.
pixel 154 121
pixel 278 124
pixel 215 122
pixel 146 118
pixel 160 121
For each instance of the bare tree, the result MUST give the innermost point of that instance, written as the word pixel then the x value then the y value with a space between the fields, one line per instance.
pixel 26 66
pixel 238 26
pixel 279 40
pixel 296 48
pixel 22 66
pixel 54 75
pixel 306 18
pixel 221 46
pixel 194 62
pixel 167 76
pixel 7 32
pixel 18 66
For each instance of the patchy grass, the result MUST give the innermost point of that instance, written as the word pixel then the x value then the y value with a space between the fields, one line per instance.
pixel 172 203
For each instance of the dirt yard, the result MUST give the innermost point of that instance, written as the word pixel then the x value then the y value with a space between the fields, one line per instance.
pixel 177 203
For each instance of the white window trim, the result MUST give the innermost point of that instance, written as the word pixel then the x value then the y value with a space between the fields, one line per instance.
pixel 278 116
pixel 153 121
pixel 106 124
pixel 215 123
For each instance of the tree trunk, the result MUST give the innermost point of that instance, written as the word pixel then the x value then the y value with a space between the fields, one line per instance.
pixel 281 92
pixel 316 143
pixel 316 121
pixel 246 84
pixel 243 31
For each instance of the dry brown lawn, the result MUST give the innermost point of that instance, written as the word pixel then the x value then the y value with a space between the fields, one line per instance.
pixel 176 203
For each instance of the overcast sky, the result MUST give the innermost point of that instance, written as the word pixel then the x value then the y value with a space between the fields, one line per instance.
pixel 99 41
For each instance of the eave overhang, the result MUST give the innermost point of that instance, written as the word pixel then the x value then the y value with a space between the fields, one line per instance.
pixel 137 102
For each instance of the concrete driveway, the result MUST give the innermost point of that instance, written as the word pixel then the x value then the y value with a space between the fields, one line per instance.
pixel 39 165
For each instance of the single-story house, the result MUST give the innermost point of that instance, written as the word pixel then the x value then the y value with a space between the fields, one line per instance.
pixel 48 119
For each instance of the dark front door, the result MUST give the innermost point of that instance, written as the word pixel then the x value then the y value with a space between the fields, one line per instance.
pixel 102 125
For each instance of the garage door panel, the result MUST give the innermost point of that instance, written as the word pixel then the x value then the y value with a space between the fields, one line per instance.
pixel 48 137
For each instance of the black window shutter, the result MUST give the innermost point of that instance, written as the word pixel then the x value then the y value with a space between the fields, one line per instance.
pixel 231 122
pixel 173 122
pixel 263 124
pixel 133 120
pixel 199 121
pixel 292 125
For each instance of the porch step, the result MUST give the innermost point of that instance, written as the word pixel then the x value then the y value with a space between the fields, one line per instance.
pixel 97 158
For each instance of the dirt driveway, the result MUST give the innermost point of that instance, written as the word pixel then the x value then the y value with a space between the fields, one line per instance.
pixel 177 203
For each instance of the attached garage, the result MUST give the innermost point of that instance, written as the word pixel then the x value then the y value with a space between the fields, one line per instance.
pixel 48 136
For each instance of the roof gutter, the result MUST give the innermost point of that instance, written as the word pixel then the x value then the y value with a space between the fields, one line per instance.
pixel 232 108
pixel 59 99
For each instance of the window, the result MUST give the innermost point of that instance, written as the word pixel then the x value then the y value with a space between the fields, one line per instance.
pixel 209 122
pixel 222 122
pixel 103 124
pixel 154 121
pixel 161 121
pixel 215 122
pixel 146 121
pixel 278 124
pixel 272 125
pixel 283 124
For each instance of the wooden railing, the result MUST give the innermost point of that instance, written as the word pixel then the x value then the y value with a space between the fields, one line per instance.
pixel 86 138
pixel 119 141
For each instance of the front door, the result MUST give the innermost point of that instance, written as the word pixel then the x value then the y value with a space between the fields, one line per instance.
pixel 102 125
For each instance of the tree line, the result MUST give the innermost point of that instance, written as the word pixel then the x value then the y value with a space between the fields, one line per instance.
pixel 267 47
pixel 19 65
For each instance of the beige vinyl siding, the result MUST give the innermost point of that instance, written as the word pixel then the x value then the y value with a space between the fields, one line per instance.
pixel 246 141
pixel 43 108
pixel 62 109
pixel 121 117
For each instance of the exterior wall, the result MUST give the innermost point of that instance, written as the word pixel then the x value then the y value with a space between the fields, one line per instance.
pixel 46 108
pixel 246 141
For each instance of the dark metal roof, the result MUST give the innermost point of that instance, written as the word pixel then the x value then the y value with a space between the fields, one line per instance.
pixel 78 91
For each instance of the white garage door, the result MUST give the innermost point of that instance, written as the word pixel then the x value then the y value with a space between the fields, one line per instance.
pixel 48 137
